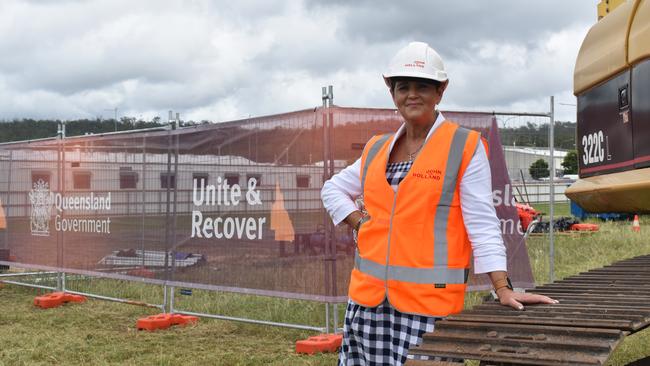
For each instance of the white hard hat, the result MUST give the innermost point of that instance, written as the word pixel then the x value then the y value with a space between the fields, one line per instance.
pixel 416 60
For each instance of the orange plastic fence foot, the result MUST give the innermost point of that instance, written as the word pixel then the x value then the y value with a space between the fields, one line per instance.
pixel 73 298
pixel 164 321
pixel 48 301
pixel 154 322
pixel 178 319
pixel 319 343
pixel 56 299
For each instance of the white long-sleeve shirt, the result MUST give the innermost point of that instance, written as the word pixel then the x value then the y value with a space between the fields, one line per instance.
pixel 481 222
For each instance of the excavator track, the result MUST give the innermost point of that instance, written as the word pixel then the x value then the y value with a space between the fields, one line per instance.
pixel 597 310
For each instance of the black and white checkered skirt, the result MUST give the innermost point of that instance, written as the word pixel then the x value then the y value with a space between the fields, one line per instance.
pixel 380 335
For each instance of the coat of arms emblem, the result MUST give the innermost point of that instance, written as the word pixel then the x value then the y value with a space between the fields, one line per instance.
pixel 41 199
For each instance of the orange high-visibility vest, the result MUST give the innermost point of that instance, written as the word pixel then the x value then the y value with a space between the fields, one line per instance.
pixel 414 249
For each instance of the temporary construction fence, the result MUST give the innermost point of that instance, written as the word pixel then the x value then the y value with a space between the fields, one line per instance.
pixel 539 192
pixel 231 207
pixel 526 139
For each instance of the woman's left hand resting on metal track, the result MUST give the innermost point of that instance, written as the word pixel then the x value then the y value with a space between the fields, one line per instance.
pixel 509 297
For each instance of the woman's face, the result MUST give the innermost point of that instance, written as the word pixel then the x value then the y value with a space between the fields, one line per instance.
pixel 416 99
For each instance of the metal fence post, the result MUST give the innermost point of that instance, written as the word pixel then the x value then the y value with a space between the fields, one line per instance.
pixel 326 220
pixel 60 183
pixel 330 225
pixel 327 317
pixel 59 281
pixel 8 203
pixel 335 307
pixel 164 304
pixel 168 247
pixel 172 296
pixel 552 192
pixel 174 212
pixel 144 197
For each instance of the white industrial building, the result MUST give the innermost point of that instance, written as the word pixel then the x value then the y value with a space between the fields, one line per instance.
pixel 138 182
pixel 519 159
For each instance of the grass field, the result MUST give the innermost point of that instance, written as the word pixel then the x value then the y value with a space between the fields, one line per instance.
pixel 559 209
pixel 103 333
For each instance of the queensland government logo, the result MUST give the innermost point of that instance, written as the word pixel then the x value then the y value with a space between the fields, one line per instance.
pixel 41 199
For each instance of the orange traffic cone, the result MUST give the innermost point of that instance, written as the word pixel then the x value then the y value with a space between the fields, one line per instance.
pixel 635 224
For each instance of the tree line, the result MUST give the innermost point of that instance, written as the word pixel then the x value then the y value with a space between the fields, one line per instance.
pixel 529 135
pixel 29 129
pixel 533 135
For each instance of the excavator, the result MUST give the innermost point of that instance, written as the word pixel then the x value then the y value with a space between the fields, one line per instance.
pixel 612 85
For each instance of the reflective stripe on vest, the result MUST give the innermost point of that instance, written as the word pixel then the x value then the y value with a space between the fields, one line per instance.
pixel 440 273
pixel 431 276
pixel 374 149
pixel 448 188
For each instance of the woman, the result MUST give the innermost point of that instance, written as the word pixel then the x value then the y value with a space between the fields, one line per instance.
pixel 427 193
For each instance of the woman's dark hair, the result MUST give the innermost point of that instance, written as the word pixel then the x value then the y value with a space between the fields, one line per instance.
pixel 394 81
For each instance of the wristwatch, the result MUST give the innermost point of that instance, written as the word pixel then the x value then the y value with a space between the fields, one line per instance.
pixel 355 229
pixel 501 283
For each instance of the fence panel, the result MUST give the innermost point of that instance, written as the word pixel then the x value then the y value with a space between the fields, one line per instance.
pixel 526 139
pixel 31 170
pixel 249 206
pixel 109 209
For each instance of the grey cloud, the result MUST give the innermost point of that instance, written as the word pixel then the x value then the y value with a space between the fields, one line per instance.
pixel 218 59
pixel 450 26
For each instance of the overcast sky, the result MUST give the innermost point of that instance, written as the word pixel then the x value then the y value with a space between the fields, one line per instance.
pixel 223 60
